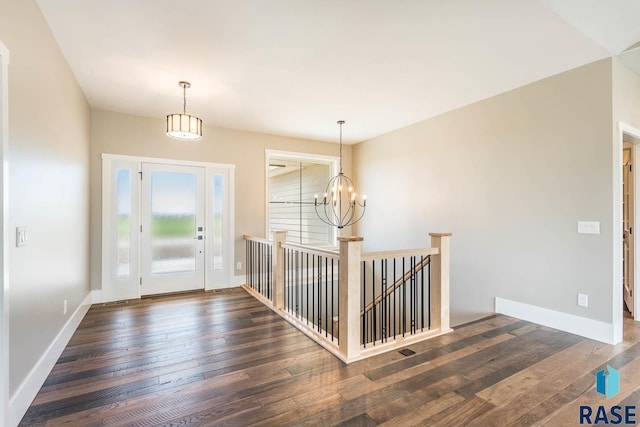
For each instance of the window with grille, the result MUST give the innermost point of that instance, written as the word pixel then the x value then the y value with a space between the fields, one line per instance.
pixel 292 182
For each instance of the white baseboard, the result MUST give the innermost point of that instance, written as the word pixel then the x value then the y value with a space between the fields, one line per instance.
pixel 589 328
pixel 27 391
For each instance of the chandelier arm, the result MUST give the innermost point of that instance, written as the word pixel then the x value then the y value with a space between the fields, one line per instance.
pixel 351 222
pixel 335 215
pixel 343 219
pixel 330 213
pixel 359 218
pixel 352 211
pixel 321 218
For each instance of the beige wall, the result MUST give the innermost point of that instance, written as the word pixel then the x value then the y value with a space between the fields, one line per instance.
pixel 123 134
pixel 49 128
pixel 510 176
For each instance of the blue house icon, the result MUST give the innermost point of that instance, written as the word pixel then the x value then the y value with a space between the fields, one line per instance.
pixel 608 382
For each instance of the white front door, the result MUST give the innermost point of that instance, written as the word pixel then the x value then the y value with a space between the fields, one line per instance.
pixel 172 255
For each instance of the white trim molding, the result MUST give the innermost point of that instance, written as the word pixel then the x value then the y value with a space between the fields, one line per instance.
pixel 27 391
pixel 129 287
pixel 589 328
pixel 4 223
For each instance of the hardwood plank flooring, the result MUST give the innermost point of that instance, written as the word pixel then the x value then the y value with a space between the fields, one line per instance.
pixel 222 358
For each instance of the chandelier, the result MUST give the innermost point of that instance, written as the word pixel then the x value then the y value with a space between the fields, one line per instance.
pixel 340 206
pixel 184 126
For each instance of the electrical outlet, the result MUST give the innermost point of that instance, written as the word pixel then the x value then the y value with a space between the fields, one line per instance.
pixel 239 266
pixel 64 309
pixel 583 300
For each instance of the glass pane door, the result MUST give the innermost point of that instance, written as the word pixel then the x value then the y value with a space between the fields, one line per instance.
pixel 172 249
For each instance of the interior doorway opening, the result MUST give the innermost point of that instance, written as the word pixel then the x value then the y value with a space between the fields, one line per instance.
pixel 626 304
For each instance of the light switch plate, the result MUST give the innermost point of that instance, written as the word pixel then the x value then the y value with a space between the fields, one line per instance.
pixel 21 236
pixel 588 227
pixel 583 300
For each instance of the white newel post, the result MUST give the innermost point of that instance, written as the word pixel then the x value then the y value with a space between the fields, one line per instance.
pixel 349 296
pixel 277 264
pixel 440 281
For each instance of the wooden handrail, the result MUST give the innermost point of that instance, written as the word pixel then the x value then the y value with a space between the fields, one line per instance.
pixel 370 256
pixel 407 276
pixel 257 239
pixel 312 250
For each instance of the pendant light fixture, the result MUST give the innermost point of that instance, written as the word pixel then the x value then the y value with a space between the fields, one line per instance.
pixel 183 126
pixel 340 206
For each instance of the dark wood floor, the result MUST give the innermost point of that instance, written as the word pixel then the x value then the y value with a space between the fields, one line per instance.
pixel 224 359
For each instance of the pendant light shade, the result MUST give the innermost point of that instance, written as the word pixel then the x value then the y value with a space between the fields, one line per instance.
pixel 182 125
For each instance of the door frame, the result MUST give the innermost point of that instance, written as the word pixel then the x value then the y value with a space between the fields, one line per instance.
pixel 209 166
pixel 632 247
pixel 634 133
pixel 4 247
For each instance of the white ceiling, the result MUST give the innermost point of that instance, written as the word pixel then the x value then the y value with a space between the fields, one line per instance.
pixel 294 67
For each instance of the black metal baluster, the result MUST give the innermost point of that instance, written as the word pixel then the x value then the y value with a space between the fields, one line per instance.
pixel 384 325
pixel 422 293
pixel 298 281
pixel 247 262
pixel 326 272
pixel 404 299
pixel 364 304
pixel 289 270
pixel 374 335
pixel 332 281
pixel 395 304
pixel 429 293
pixel 413 294
pixel 333 301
